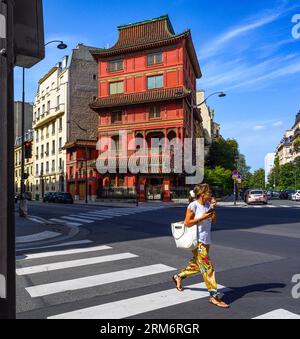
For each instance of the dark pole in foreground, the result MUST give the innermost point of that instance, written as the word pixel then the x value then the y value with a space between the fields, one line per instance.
pixel 7 217
pixel 23 202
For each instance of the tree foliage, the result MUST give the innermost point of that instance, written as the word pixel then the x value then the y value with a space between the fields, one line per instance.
pixel 285 176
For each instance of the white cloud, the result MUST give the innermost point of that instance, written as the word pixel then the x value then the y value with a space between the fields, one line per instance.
pixel 241 73
pixel 278 124
pixel 259 127
pixel 252 23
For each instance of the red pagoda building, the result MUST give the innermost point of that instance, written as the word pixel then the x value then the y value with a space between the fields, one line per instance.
pixel 147 87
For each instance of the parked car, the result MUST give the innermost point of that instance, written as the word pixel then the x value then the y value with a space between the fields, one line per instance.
pixel 284 195
pixel 275 194
pixel 48 197
pixel 296 196
pixel 63 198
pixel 245 195
pixel 256 196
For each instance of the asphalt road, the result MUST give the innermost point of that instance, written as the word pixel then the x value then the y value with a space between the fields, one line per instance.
pixel 256 252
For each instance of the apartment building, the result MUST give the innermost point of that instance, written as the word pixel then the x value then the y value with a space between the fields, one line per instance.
pixel 62 114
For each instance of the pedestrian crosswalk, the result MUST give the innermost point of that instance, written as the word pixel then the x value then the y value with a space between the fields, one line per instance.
pixel 93 216
pixel 269 206
pixel 29 265
pixel 139 305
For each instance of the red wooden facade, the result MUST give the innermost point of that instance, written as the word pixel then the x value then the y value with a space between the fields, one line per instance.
pixel 147 84
pixel 82 154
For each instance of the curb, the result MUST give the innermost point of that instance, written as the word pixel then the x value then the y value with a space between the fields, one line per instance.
pixel 71 231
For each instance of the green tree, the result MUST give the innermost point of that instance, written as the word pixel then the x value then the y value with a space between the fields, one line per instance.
pixel 286 176
pixel 258 179
pixel 219 177
pixel 222 153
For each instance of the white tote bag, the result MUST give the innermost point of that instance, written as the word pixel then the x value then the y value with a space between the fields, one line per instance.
pixel 185 237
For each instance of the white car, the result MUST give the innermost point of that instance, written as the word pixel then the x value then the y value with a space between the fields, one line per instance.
pixel 296 196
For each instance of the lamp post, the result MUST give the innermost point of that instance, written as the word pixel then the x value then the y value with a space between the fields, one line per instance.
pixel 23 202
pixel 236 159
pixel 192 106
pixel 86 159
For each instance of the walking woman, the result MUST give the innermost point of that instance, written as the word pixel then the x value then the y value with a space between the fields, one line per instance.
pixel 202 213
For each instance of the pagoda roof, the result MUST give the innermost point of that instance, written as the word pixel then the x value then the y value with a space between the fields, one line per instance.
pixel 149 96
pixel 148 34
pixel 80 143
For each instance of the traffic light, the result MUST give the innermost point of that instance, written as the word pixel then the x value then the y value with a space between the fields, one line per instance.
pixel 28 150
pixel 28 32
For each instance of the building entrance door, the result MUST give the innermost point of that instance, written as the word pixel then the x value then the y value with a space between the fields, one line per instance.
pixel 154 189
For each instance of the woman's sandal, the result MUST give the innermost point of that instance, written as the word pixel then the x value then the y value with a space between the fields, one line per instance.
pixel 179 288
pixel 219 303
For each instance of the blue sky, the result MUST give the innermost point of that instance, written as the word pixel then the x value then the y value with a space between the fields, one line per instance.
pixel 244 47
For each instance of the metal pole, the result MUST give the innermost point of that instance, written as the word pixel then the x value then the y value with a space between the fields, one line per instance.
pixel 23 202
pixel 137 190
pixel 7 218
pixel 234 191
pixel 86 175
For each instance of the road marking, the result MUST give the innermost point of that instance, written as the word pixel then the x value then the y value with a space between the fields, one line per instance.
pixel 97 280
pixel 139 305
pixel 285 206
pixel 74 263
pixel 100 215
pixel 90 217
pixel 111 214
pixel 67 252
pixel 60 221
pixel 36 220
pixel 74 218
pixel 72 243
pixel 279 314
pixel 37 237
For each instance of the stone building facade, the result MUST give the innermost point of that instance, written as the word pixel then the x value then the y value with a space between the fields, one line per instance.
pixel 62 114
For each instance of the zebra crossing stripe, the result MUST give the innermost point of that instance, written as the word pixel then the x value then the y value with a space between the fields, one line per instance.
pixel 73 263
pixel 60 221
pixel 100 215
pixel 71 243
pixel 104 215
pixel 90 217
pixel 139 305
pixel 97 280
pixel 279 314
pixel 68 252
pixel 74 218
pixel 111 214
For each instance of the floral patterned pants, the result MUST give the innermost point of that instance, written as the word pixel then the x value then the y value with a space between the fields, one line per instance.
pixel 201 262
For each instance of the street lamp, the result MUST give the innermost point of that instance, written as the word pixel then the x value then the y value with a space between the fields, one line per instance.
pixel 192 106
pixel 86 159
pixel 23 202
pixel 220 94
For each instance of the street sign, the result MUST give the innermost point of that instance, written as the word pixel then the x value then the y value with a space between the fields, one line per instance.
pixel 2 27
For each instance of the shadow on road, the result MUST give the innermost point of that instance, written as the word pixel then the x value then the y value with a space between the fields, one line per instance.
pixel 237 293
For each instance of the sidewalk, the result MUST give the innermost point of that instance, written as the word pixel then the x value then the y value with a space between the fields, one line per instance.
pixel 129 204
pixel 34 229
pixel 133 204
